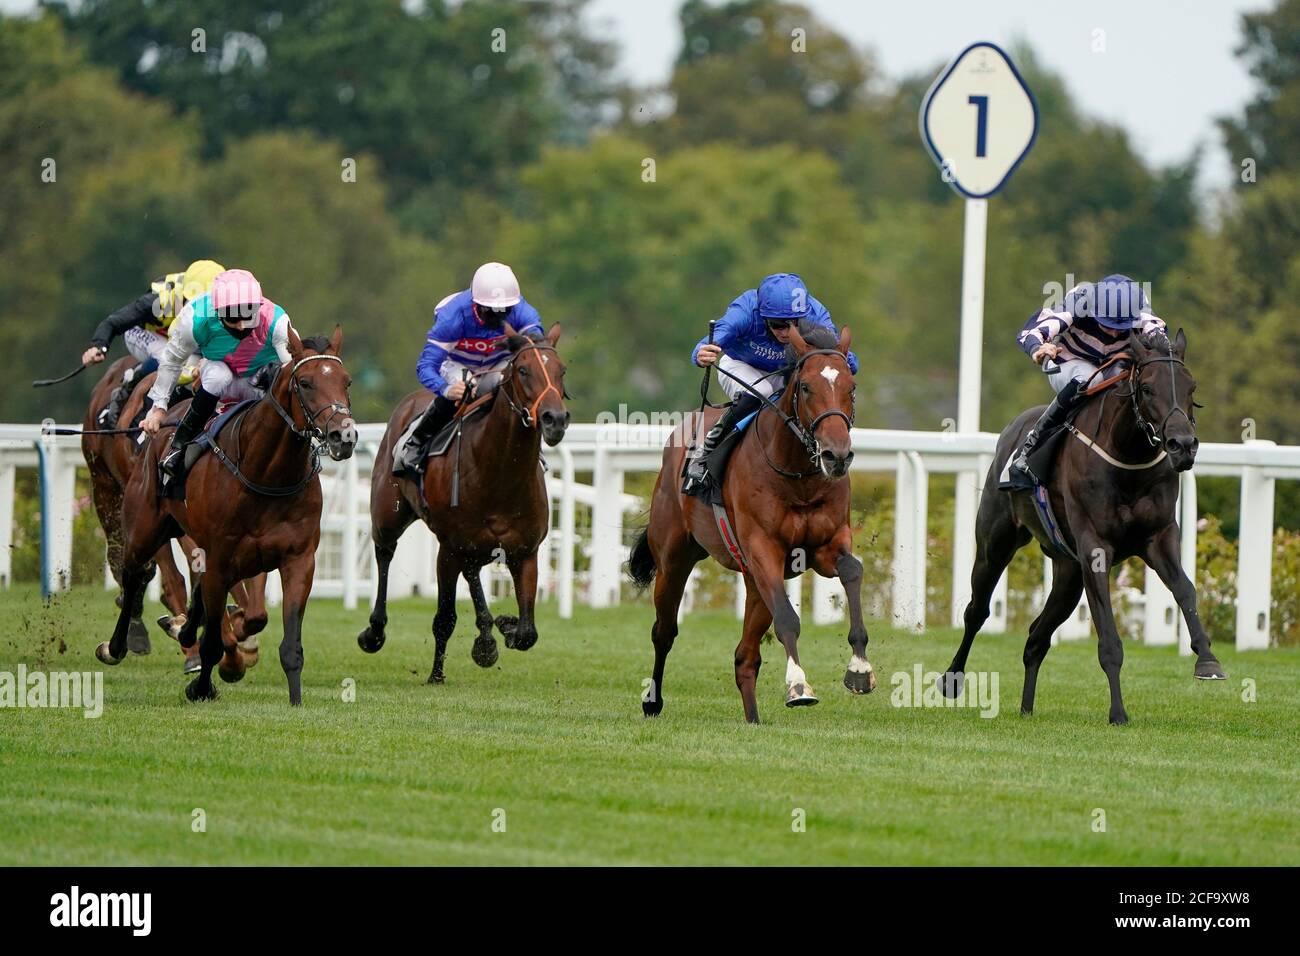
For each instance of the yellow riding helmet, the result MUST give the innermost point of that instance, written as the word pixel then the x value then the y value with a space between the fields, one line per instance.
pixel 198 278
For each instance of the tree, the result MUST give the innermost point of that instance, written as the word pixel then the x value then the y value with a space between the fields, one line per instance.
pixel 1269 130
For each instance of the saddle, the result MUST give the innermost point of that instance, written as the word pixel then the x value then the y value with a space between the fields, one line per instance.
pixel 207 438
pixel 484 393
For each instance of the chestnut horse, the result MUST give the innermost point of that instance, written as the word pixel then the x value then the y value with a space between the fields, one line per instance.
pixel 111 458
pixel 786 495
pixel 503 511
pixel 1114 492
pixel 252 505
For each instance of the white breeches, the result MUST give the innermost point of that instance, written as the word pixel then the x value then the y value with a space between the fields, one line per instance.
pixel 143 344
pixel 218 379
pixel 750 374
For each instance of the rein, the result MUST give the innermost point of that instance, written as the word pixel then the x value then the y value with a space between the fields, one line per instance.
pixel 528 414
pixel 806 434
pixel 311 431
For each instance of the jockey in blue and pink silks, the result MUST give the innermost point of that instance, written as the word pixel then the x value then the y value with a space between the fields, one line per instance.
pixel 749 342
pixel 467 341
pixel 1090 328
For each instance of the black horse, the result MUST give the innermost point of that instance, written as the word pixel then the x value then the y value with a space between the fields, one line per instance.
pixel 1113 491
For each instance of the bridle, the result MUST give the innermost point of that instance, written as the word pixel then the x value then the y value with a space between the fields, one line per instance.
pixel 805 433
pixel 1156 434
pixel 528 413
pixel 312 431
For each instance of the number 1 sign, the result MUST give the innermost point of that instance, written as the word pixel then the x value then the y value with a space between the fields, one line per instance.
pixel 979 120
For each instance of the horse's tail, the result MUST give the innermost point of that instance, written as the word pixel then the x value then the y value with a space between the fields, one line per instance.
pixel 641 562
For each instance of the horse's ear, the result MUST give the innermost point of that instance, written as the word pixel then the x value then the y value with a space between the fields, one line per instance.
pixel 509 330
pixel 1180 344
pixel 553 334
pixel 797 340
pixel 1135 344
pixel 295 344
pixel 845 338
pixel 336 341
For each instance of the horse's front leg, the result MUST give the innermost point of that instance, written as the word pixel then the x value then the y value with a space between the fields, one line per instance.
pixel 767 562
pixel 484 652
pixel 1162 556
pixel 296 575
pixel 837 560
pixel 1096 557
pixel 523 635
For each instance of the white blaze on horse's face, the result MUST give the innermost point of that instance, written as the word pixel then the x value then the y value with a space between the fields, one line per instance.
pixel 831 374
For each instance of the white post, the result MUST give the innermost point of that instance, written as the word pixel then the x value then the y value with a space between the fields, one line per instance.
pixel 911 502
pixel 997 622
pixel 827 608
pixel 606 531
pixel 1187 528
pixel 60 478
pixel 975 235
pixel 564 593
pixel 1254 557
pixel 7 473
pixel 348 552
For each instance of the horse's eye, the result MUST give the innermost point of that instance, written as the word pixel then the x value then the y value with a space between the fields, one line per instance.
pixel 306 384
pixel 524 372
pixel 1146 389
pixel 807 390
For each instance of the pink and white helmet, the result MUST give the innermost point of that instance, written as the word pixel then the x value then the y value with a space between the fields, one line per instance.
pixel 238 287
pixel 495 286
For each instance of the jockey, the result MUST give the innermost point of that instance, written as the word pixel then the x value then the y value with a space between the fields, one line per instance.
pixel 237 332
pixel 1091 327
pixel 749 342
pixel 143 325
pixel 466 340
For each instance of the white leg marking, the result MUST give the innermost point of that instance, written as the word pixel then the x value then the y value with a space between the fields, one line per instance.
pixel 794 673
pixel 859 665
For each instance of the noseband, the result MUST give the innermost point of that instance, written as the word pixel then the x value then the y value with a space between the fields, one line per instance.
pixel 1156 434
pixel 528 413
pixel 311 429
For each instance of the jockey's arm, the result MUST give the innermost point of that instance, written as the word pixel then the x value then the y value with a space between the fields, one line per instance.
pixel 726 330
pixel 134 313
pixel 1043 326
pixel 280 340
pixel 440 338
pixel 1152 324
pixel 180 346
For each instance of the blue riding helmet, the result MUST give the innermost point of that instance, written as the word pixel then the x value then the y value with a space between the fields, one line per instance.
pixel 782 295
pixel 1115 302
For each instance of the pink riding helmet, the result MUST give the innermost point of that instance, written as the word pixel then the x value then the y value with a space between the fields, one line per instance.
pixel 236 287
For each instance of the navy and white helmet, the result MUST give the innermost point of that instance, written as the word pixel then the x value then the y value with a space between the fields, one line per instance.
pixel 1116 302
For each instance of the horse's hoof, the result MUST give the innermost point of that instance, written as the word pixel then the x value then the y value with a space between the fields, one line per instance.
pixel 506 624
pixel 369 641
pixel 523 640
pixel 436 679
pixel 1210 670
pixel 484 652
pixel 950 683
pixel 137 638
pixel 105 655
pixel 171 626
pixel 230 677
pixel 1118 719
pixel 251 651
pixel 652 708
pixel 193 663
pixel 860 682
pixel 194 693
pixel 800 695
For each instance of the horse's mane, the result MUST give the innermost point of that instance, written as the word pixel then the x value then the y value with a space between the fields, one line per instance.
pixel 517 341
pixel 817 336
pixel 317 343
pixel 1156 342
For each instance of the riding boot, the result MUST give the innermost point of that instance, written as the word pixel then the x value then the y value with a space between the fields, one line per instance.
pixel 697 472
pixel 409 458
pixel 1018 475
pixel 172 467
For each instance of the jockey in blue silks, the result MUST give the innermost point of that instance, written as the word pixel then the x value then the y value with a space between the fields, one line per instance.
pixel 467 340
pixel 1091 327
pixel 749 342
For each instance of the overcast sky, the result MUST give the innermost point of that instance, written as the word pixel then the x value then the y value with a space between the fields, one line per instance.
pixel 1167 72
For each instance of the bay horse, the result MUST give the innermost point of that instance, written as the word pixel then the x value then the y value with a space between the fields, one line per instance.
pixel 1113 492
pixel 502 512
pixel 786 516
pixel 111 458
pixel 252 505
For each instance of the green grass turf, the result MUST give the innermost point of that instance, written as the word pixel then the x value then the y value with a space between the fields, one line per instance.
pixel 411 773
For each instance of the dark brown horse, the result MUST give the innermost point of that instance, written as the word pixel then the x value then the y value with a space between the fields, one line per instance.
pixel 256 511
pixel 503 512
pixel 1113 491
pixel 786 496
pixel 111 458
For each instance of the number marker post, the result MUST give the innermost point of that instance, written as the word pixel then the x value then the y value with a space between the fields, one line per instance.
pixel 978 122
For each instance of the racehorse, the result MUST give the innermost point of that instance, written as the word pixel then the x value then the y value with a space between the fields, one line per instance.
pixel 493 506
pixel 252 505
pixel 786 497
pixel 1113 492
pixel 111 458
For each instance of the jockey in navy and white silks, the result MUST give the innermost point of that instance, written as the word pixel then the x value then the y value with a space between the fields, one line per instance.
pixel 749 342
pixel 1091 327
pixel 468 336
